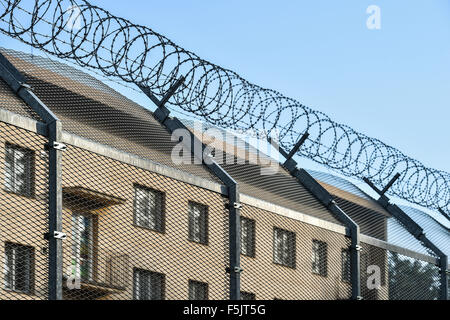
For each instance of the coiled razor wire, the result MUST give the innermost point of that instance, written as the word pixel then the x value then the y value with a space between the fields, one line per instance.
pixel 94 38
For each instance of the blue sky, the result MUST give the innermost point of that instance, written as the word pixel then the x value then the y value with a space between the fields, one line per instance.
pixel 392 84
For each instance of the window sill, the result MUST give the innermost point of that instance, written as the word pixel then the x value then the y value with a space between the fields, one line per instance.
pixel 199 243
pixel 285 266
pixel 29 197
pixel 247 256
pixel 162 232
pixel 320 275
pixel 20 292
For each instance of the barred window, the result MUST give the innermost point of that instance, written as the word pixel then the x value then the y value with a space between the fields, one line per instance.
pixel 346 273
pixel 83 239
pixel 247 296
pixel 319 258
pixel 149 209
pixel 284 248
pixel 148 285
pixel 198 290
pixel 19 268
pixel 248 237
pixel 198 223
pixel 19 167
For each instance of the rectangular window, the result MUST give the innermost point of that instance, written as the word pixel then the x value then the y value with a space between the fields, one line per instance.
pixel 149 209
pixel 284 248
pixel 247 296
pixel 319 258
pixel 198 223
pixel 248 237
pixel 19 167
pixel 346 272
pixel 83 246
pixel 198 290
pixel 19 268
pixel 148 285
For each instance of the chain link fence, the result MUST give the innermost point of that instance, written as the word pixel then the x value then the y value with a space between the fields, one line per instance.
pixel 133 234
pixel 23 215
pixel 403 275
pixel 285 259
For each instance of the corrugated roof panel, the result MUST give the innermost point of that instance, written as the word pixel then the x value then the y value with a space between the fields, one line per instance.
pixel 339 183
pixel 397 235
pixel 371 222
pixel 279 188
pixel 366 212
pixel 436 232
pixel 11 102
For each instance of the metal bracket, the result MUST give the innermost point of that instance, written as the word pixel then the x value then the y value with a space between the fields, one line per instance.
pixel 56 235
pixel 386 188
pixel 238 206
pixel 60 235
pixel 238 270
pixel 359 248
pixel 390 184
pixel 24 86
pixel 57 146
pixel 359 298
pixel 297 147
pixel 235 270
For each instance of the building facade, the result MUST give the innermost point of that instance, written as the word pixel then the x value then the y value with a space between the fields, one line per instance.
pixel 137 226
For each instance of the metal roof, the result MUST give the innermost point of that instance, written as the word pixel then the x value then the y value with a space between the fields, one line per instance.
pixel 436 232
pixel 395 233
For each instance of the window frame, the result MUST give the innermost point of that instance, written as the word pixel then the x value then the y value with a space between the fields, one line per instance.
pixel 253 238
pixel 162 214
pixel 149 273
pixel 322 253
pixel 248 294
pixel 93 245
pixel 346 275
pixel 29 172
pixel 31 255
pixel 200 283
pixel 292 250
pixel 205 241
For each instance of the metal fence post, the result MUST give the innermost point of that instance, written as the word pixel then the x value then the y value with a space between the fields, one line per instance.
pixel 17 82
pixel 327 200
pixel 235 247
pixel 443 263
pixel 55 211
pixel 162 115
pixel 323 196
pixel 415 230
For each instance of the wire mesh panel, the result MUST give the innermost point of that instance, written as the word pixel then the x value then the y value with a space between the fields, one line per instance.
pixel 133 234
pixel 287 259
pixel 24 214
pixel 391 275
